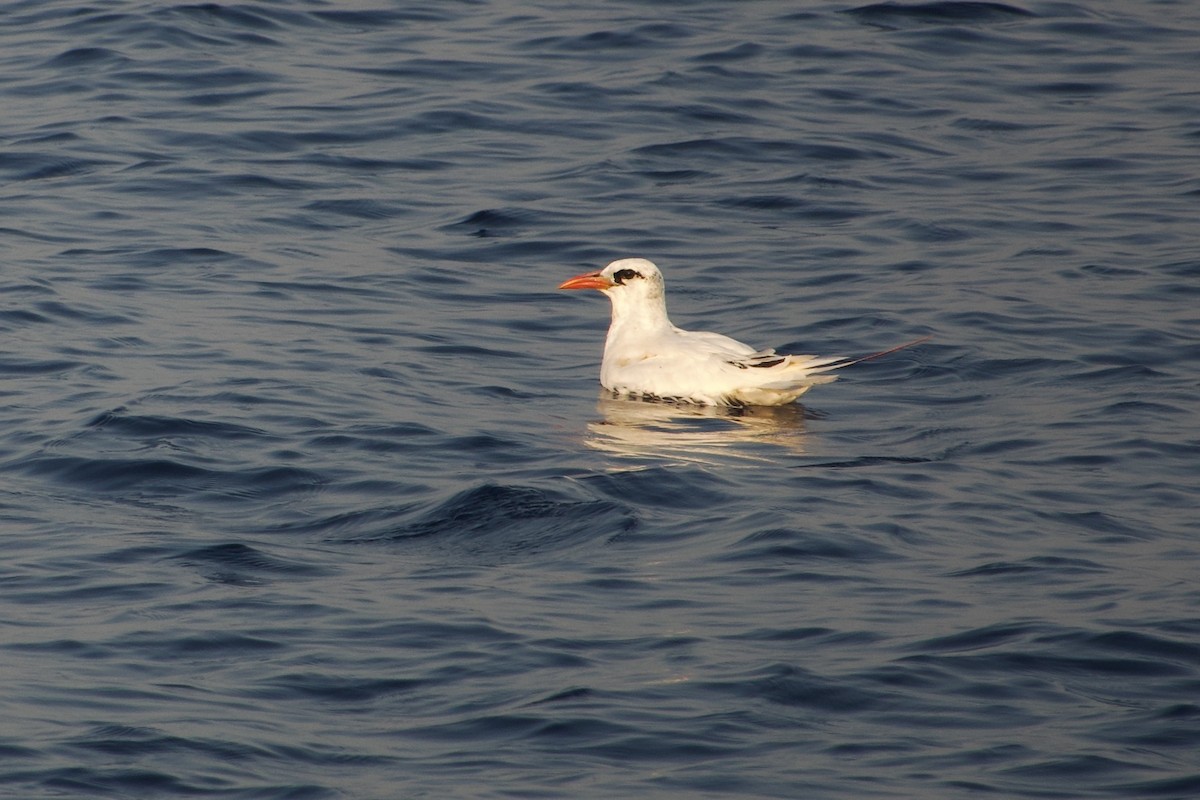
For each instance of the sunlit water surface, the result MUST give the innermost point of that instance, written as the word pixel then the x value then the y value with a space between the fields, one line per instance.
pixel 308 490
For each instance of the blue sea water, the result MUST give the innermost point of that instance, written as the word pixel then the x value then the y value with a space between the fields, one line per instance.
pixel 308 488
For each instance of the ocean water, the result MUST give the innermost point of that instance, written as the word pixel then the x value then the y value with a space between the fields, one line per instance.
pixel 308 488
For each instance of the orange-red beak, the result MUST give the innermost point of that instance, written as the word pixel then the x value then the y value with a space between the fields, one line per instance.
pixel 590 280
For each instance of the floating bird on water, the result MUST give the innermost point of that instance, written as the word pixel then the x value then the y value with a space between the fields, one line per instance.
pixel 645 356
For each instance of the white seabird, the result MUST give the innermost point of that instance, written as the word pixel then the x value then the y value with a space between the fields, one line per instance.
pixel 646 356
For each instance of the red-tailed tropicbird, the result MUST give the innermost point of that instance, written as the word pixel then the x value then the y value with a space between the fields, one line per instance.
pixel 646 356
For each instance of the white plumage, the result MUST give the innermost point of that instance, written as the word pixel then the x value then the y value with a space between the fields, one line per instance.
pixel 646 356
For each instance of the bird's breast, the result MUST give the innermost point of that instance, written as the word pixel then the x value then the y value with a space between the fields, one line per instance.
pixel 629 360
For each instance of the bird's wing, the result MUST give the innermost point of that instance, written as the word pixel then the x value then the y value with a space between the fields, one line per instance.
pixel 717 344
pixel 768 359
pixel 763 359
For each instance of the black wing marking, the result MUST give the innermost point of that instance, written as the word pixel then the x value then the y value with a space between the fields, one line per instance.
pixel 763 358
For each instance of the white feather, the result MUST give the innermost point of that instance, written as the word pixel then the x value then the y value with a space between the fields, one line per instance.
pixel 646 356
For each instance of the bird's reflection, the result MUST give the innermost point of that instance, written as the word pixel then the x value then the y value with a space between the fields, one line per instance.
pixel 704 434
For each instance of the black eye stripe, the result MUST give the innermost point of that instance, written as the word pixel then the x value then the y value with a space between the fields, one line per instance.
pixel 625 275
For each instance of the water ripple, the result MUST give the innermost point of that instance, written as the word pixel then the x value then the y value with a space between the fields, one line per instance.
pixel 295 421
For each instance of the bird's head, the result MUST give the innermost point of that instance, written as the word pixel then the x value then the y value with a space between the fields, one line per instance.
pixel 627 280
